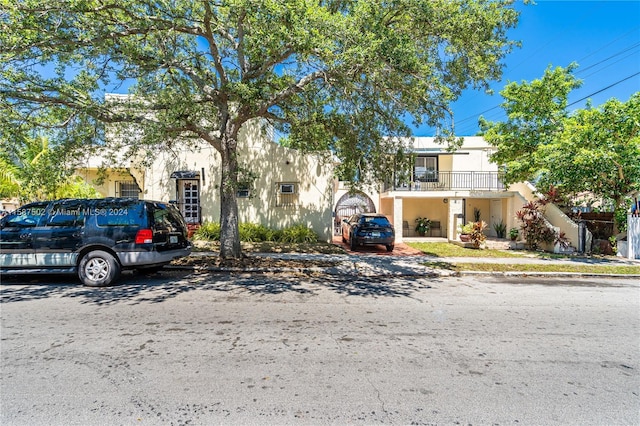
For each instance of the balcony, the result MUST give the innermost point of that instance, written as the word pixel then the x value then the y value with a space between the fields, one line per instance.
pixel 453 181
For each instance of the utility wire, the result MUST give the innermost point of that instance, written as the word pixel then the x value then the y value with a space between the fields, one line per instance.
pixel 606 88
pixel 606 59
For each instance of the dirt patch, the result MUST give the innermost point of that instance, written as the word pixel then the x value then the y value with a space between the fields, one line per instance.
pixel 251 262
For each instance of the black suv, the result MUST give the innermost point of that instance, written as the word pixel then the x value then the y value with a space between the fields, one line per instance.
pixel 368 229
pixel 94 238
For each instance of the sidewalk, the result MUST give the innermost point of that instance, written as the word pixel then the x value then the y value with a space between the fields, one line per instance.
pixel 371 263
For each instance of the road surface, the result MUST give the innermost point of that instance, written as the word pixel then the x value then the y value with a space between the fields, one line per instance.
pixel 180 349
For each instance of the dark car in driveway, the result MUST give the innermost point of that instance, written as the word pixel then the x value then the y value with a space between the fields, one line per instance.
pixel 94 238
pixel 363 229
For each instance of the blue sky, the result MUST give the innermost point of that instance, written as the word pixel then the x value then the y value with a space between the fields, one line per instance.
pixel 603 37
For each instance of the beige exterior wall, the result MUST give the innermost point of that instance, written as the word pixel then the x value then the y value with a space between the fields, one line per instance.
pixel 472 156
pixel 108 185
pixel 269 162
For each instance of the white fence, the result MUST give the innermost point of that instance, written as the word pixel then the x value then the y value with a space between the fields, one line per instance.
pixel 633 237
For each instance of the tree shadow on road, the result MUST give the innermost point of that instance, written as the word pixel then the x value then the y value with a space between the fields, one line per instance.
pixel 133 289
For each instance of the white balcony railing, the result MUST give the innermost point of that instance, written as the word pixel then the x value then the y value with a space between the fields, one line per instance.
pixel 453 181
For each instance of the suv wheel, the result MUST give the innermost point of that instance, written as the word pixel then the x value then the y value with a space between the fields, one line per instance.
pixel 98 268
pixel 352 243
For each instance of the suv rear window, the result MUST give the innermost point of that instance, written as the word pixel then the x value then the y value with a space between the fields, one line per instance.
pixel 166 217
pixel 118 214
pixel 375 221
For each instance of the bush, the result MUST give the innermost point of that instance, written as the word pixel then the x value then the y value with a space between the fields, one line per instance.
pixel 535 229
pixel 209 231
pixel 477 233
pixel 253 233
pixel 256 233
pixel 298 234
pixel 275 235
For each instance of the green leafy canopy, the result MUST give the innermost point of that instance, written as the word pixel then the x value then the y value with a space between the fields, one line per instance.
pixel 330 75
pixel 592 150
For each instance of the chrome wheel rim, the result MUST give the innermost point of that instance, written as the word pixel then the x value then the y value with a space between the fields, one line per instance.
pixel 96 269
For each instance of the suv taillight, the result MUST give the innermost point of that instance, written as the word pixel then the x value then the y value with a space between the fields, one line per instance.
pixel 144 236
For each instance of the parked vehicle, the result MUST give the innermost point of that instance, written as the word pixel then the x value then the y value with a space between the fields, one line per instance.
pixel 368 229
pixel 94 238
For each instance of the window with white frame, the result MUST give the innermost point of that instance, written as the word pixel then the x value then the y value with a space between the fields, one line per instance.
pixel 425 169
pixel 287 194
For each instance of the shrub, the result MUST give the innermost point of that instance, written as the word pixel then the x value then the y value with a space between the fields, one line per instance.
pixel 298 234
pixel 253 233
pixel 535 228
pixel 500 228
pixel 209 231
pixel 477 233
pixel 275 235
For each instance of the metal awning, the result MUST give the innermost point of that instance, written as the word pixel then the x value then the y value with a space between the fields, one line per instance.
pixel 185 174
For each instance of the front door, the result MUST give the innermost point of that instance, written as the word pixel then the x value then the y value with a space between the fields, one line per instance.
pixel 189 200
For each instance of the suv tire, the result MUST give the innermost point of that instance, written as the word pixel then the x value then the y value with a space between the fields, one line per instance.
pixel 352 243
pixel 98 269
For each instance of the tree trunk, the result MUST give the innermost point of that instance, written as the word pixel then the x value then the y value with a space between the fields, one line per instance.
pixel 229 232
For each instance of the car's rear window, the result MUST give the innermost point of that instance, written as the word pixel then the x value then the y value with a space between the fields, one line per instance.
pixel 166 217
pixel 118 214
pixel 375 221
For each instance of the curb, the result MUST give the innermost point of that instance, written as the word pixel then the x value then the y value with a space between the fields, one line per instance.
pixel 550 274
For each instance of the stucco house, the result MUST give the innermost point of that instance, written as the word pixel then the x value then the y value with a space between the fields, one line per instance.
pixel 281 186
pixel 284 187
pixel 449 188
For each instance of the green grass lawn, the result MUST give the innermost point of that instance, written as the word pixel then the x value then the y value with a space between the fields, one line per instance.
pixel 452 250
pixel 502 267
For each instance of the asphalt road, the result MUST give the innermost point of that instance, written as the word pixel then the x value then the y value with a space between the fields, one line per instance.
pixel 258 349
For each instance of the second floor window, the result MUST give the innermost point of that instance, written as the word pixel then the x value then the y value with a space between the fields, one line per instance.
pixel 425 169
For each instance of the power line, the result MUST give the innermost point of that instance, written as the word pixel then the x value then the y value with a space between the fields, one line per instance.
pixel 606 59
pixel 572 103
pixel 610 43
pixel 475 116
pixel 611 64
pixel 606 88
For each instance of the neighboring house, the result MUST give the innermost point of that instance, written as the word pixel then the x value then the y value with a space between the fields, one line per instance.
pixel 449 188
pixel 279 186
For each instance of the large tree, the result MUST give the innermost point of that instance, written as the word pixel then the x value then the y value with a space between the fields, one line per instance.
pixel 330 74
pixel 592 150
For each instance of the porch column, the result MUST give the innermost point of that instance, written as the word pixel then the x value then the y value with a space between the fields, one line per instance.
pixel 397 218
pixel 455 209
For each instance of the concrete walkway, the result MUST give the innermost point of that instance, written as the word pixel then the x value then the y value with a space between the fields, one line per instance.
pixel 380 263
